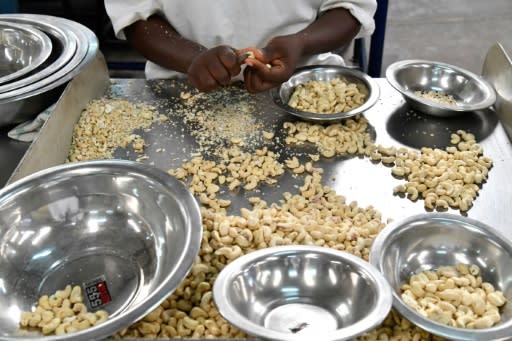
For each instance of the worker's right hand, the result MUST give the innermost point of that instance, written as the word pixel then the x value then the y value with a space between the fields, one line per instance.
pixel 273 64
pixel 213 68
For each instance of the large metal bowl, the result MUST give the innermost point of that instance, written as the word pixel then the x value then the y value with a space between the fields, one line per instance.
pixel 427 241
pixel 25 103
pixel 85 38
pixel 365 84
pixel 470 91
pixel 63 49
pixel 302 293
pixel 128 224
pixel 22 49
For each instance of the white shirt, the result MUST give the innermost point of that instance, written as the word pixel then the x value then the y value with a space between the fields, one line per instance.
pixel 237 23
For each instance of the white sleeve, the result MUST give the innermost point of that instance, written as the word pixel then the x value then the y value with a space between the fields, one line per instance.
pixel 123 13
pixel 362 10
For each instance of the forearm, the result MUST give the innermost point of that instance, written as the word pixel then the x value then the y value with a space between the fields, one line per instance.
pixel 159 42
pixel 333 29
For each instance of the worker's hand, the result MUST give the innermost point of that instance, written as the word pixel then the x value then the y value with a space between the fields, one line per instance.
pixel 273 64
pixel 213 68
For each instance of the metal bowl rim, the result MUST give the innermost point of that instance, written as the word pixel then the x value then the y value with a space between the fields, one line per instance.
pixel 193 240
pixel 493 333
pixel 69 47
pixel 45 47
pixel 490 94
pixel 87 47
pixel 374 318
pixel 373 90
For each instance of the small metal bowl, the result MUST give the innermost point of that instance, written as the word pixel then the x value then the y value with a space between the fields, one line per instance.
pixel 22 49
pixel 302 292
pixel 425 242
pixel 470 91
pixel 127 225
pixel 365 83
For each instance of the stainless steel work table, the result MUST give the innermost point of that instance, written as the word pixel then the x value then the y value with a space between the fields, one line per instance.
pixel 392 123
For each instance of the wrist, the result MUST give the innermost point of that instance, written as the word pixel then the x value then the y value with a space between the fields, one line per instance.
pixel 299 44
pixel 191 55
pixel 290 46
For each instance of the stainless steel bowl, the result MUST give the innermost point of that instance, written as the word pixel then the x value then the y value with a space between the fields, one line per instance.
pixel 427 241
pixel 128 224
pixel 22 49
pixel 302 292
pixel 25 103
pixel 470 91
pixel 83 36
pixel 63 49
pixel 365 83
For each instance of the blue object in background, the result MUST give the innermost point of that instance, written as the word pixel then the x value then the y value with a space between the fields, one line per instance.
pixel 9 6
pixel 372 63
pixel 377 40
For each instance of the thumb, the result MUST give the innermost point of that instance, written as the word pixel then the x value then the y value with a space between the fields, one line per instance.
pixel 272 73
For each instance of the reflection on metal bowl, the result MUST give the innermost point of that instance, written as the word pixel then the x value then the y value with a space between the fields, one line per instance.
pixel 302 292
pixel 470 91
pixel 428 241
pixel 22 49
pixel 365 84
pixel 130 225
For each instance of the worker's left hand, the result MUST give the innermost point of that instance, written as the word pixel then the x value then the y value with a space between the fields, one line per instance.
pixel 213 68
pixel 273 64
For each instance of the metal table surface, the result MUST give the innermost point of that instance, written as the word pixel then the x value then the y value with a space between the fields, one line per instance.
pixel 357 178
pixel 392 123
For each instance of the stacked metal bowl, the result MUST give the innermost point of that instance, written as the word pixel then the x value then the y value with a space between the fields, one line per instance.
pixel 39 54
